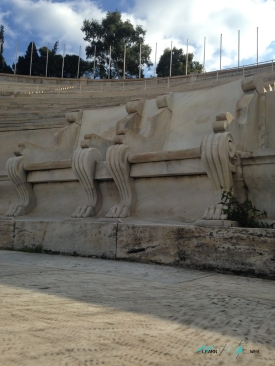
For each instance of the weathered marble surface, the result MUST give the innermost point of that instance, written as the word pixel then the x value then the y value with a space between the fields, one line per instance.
pixel 203 127
pixel 10 139
pixel 182 198
pixel 101 122
pixel 8 195
pixel 195 111
pixel 6 234
pixel 98 239
pixel 234 249
pixel 269 120
pixel 259 175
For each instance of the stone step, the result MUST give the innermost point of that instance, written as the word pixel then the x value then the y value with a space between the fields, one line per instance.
pixel 42 111
pixel 33 124
pixel 30 118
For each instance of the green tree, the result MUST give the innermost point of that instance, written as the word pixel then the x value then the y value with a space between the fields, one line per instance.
pixel 3 65
pixel 1 39
pixel 114 32
pixel 71 66
pixel 39 61
pixel 23 63
pixel 54 61
pixel 178 63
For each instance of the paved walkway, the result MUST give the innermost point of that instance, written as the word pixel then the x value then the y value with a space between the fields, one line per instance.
pixel 61 310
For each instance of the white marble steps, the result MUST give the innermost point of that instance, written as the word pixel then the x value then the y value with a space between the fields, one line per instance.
pixel 43 123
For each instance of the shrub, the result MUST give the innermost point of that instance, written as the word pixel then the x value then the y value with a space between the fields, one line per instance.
pixel 244 213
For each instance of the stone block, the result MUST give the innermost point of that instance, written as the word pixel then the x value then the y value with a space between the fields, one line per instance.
pixel 219 223
pixel 237 250
pixel 71 237
pixel 6 234
pixel 147 243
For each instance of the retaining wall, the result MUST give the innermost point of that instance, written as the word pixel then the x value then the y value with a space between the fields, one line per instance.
pixel 235 250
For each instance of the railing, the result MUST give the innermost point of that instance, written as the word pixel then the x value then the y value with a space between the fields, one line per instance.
pixel 100 86
pixel 83 86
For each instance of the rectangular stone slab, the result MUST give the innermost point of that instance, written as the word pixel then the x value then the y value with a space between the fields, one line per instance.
pixel 70 236
pixel 239 250
pixel 139 170
pixel 53 175
pixel 6 234
pixel 168 168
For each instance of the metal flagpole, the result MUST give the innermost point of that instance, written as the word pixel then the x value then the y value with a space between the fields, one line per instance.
pixel 124 61
pixel 78 62
pixel 94 60
pixel 155 60
pixel 186 65
pixel 257 45
pixel 204 54
pixel 63 62
pixel 239 45
pixel 31 61
pixel 170 74
pixel 109 63
pixel 16 57
pixel 139 72
pixel 221 53
pixel 47 60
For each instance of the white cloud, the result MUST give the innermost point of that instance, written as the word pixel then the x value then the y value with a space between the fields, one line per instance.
pixel 49 21
pixel 193 20
pixel 165 21
pixel 7 29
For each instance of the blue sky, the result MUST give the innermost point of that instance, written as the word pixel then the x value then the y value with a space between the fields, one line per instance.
pixel 45 21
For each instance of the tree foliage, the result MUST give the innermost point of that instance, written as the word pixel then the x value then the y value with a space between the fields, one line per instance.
pixel 1 39
pixel 23 63
pixel 3 65
pixel 178 63
pixel 113 31
pixel 39 61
